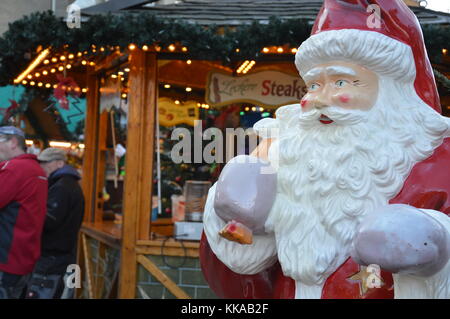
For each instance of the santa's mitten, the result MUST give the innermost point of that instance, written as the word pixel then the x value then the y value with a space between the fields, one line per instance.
pixel 237 232
pixel 402 239
pixel 246 191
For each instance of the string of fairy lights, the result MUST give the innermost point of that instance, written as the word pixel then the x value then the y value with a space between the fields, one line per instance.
pixel 65 61
pixel 45 65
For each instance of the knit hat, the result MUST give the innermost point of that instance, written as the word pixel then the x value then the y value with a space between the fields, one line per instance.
pixel 52 154
pixel 391 44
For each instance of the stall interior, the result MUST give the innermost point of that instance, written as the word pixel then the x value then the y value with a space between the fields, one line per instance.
pixel 182 104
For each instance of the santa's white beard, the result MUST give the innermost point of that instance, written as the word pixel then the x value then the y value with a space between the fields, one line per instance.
pixel 330 176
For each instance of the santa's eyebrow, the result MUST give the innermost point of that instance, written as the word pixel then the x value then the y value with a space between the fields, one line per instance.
pixel 340 70
pixel 312 74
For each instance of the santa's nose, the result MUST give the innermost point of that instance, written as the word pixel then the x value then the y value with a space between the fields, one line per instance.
pixel 322 99
pixel 320 103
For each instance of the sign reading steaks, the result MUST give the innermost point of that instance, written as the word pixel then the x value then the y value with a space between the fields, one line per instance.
pixel 264 88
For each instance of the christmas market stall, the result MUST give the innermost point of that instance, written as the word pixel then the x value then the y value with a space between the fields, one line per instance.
pixel 153 76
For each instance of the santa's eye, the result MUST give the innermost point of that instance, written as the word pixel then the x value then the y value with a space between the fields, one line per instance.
pixel 314 87
pixel 341 83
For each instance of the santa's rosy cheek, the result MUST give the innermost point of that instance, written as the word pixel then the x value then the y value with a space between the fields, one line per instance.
pixel 303 103
pixel 344 98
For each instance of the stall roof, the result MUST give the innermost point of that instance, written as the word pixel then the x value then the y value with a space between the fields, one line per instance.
pixel 238 12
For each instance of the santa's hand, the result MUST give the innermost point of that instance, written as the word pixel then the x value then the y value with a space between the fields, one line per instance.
pixel 245 192
pixel 402 239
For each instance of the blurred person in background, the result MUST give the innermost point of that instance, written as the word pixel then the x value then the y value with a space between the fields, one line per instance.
pixel 65 210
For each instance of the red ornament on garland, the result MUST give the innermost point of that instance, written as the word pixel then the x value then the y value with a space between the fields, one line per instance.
pixel 66 87
pixel 7 112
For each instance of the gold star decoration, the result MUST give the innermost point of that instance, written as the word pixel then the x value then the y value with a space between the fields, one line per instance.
pixel 363 279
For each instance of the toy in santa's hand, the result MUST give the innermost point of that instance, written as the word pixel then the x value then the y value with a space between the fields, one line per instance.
pixel 357 207
pixel 245 209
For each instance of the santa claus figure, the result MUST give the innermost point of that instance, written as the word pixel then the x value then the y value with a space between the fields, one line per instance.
pixel 347 195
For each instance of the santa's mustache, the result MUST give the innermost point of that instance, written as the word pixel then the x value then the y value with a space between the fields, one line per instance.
pixel 336 114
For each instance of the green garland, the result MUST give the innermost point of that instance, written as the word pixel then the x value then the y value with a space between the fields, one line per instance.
pixel 441 78
pixel 18 44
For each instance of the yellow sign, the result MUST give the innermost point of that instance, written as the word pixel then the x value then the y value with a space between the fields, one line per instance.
pixel 171 114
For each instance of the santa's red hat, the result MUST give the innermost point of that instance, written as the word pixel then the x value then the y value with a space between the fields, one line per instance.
pixel 391 45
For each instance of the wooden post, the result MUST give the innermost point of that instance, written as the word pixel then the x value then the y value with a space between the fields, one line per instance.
pixel 90 142
pixel 100 174
pixel 87 260
pixel 81 263
pixel 139 164
pixel 116 164
pixel 100 270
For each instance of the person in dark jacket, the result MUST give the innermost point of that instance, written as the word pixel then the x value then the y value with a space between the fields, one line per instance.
pixel 23 197
pixel 65 210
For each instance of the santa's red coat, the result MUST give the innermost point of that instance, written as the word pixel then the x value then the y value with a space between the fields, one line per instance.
pixel 428 186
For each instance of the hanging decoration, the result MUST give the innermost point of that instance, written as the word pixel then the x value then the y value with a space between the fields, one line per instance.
pixel 51 102
pixel 10 111
pixel 66 87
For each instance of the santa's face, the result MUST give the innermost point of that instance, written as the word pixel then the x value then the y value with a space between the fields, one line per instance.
pixel 341 84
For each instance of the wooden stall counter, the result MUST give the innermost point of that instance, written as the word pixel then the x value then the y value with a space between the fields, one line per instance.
pixel 152 255
pixel 110 233
pixel 107 232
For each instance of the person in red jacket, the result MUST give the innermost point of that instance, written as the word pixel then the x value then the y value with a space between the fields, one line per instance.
pixel 23 200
